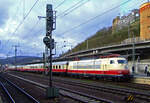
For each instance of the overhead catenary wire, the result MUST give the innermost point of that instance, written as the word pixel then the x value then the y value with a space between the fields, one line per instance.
pixel 130 6
pixel 34 26
pixel 93 18
pixel 10 50
pixel 25 17
pixel 22 21
pixel 60 4
pixel 70 11
pixel 96 26
pixel 70 8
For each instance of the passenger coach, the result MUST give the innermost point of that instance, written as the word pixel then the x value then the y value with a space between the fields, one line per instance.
pixel 112 66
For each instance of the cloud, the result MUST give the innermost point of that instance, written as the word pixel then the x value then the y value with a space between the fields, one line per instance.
pixel 4 11
pixel 30 35
pixel 85 13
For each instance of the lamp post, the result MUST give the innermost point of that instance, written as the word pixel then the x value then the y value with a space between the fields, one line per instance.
pixel 133 54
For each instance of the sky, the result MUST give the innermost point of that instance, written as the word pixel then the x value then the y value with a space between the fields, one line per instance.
pixel 76 20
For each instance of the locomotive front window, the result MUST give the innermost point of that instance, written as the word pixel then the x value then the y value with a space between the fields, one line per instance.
pixel 122 62
pixel 112 62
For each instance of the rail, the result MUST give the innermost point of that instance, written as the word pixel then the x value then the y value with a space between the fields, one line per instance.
pixel 18 88
pixel 125 92
pixel 8 94
pixel 90 97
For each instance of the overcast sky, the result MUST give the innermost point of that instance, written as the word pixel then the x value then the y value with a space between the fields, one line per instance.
pixel 29 35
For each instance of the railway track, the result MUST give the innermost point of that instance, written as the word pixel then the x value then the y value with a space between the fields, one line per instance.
pixel 119 91
pixel 123 92
pixel 14 93
pixel 82 97
pixel 78 96
pixel 130 85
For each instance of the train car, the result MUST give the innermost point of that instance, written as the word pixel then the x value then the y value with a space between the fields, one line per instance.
pixel 60 68
pixel 28 68
pixel 112 66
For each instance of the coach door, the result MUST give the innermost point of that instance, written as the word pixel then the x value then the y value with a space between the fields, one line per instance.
pixel 105 63
pixel 66 67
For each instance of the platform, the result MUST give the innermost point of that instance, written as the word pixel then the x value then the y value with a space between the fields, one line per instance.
pixel 142 79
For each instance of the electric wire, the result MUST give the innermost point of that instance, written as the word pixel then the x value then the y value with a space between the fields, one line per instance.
pixel 70 8
pixel 93 18
pixel 33 27
pixel 59 4
pixel 96 17
pixel 75 8
pixel 96 26
pixel 25 17
pixel 10 50
pixel 87 20
pixel 22 21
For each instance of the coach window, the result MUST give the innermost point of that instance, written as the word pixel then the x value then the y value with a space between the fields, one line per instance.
pixel 112 62
pixel 53 67
pixel 59 67
pixel 56 67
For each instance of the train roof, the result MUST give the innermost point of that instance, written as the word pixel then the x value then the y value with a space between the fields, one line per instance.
pixel 111 56
pixel 60 63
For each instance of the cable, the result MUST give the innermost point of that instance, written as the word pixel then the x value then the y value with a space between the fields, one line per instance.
pixel 77 26
pixel 9 50
pixel 75 8
pixel 22 20
pixel 33 27
pixel 95 26
pixel 60 4
pixel 70 8
pixel 25 17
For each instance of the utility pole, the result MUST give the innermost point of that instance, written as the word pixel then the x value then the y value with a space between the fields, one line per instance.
pixel 7 59
pixel 133 54
pixel 15 46
pixel 87 44
pixel 44 61
pixel 128 29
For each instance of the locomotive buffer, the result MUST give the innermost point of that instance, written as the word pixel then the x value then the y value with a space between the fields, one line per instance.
pixel 49 42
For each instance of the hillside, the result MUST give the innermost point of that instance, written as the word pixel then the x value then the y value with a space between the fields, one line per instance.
pixel 105 37
pixel 20 60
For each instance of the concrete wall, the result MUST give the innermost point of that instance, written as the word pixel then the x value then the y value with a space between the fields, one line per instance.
pixel 139 66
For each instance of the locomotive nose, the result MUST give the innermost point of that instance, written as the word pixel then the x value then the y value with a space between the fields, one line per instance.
pixel 126 67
